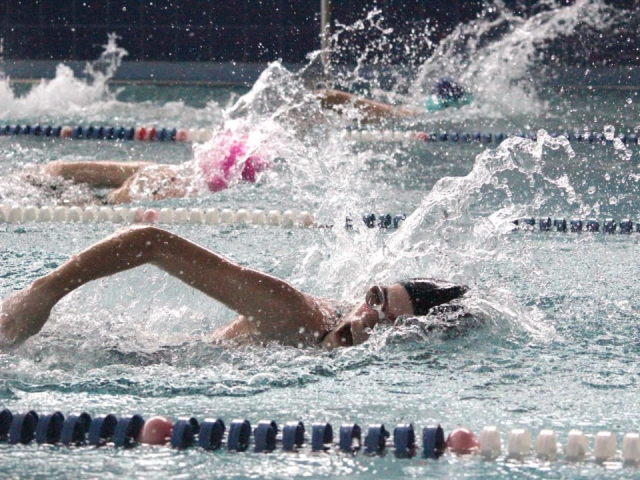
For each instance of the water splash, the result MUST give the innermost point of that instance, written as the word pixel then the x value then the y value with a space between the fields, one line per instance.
pixel 90 98
pixel 65 94
pixel 622 152
pixel 494 55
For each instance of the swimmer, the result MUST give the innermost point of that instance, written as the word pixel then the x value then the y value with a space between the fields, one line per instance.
pixel 446 93
pixel 226 159
pixel 269 309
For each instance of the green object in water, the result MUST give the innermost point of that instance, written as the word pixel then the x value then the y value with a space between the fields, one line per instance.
pixel 435 103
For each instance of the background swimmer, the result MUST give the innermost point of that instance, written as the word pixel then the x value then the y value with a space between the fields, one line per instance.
pixel 269 309
pixel 226 159
pixel 446 93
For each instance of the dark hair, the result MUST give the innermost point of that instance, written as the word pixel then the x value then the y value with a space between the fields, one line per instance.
pixel 448 89
pixel 426 293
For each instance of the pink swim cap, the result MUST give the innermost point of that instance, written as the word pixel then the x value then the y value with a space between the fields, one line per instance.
pixel 227 158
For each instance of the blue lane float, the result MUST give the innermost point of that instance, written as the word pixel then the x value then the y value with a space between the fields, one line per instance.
pixel 102 429
pixel 127 430
pixel 404 440
pixel 211 434
pixel 376 440
pixel 49 428
pixel 74 429
pixel 292 436
pixel 433 443
pixel 321 436
pixel 23 428
pixel 183 432
pixel 350 438
pixel 239 435
pixel 265 436
pixel 6 417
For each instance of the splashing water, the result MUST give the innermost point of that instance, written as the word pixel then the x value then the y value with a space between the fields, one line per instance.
pixel 66 94
pixel 67 98
pixel 621 151
pixel 495 54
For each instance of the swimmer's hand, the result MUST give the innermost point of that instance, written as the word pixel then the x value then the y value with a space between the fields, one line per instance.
pixel 23 314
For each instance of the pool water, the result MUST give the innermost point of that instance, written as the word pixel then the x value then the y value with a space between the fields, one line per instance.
pixel 557 333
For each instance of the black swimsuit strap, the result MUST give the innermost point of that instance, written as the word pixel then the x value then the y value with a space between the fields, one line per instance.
pixel 338 315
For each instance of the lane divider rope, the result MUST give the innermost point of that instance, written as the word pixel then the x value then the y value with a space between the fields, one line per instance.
pixel 477 137
pixel 150 134
pixel 212 434
pixel 140 133
pixel 578 225
pixel 16 214
pixel 609 225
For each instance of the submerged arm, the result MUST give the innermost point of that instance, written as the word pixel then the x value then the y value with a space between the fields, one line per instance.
pixel 277 309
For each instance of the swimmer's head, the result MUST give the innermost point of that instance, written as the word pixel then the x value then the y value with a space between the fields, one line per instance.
pixel 228 158
pixel 385 303
pixel 447 89
pixel 426 293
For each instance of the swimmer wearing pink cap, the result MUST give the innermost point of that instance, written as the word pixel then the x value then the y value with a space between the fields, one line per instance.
pixel 227 159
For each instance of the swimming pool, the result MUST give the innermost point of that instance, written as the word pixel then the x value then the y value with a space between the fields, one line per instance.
pixel 559 339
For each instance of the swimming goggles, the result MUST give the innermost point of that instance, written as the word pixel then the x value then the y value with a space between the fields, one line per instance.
pixel 376 299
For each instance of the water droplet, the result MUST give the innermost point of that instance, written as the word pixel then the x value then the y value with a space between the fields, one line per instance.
pixel 613 201
pixel 607 177
pixel 609 132
pixel 591 190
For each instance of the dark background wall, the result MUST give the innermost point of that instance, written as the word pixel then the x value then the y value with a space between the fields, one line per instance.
pixel 196 30
pixel 231 30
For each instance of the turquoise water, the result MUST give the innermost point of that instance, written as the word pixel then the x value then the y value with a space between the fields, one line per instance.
pixel 555 346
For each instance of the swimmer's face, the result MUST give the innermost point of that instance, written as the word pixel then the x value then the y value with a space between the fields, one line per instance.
pixel 354 329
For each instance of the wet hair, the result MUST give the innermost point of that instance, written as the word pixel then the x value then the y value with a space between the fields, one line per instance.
pixel 448 89
pixel 426 293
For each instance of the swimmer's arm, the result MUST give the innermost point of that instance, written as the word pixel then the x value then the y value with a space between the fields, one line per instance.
pixel 372 110
pixel 97 174
pixel 280 311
